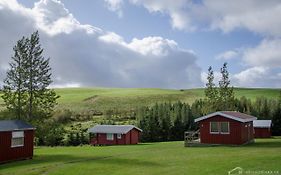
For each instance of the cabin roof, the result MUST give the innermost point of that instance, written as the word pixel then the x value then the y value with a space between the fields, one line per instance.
pixel 115 129
pixel 11 125
pixel 238 116
pixel 262 123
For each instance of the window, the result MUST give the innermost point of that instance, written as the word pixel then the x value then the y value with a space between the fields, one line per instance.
pixel 17 139
pixel 109 136
pixel 214 127
pixel 224 127
pixel 119 136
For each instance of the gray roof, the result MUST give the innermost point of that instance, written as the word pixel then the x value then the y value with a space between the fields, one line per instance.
pixel 114 129
pixel 11 125
pixel 262 123
pixel 238 116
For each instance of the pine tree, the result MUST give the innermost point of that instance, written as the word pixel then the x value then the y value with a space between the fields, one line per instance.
pixel 26 86
pixel 276 120
pixel 226 93
pixel 14 94
pixel 211 91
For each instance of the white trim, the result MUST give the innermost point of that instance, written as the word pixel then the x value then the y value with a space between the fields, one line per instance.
pixel 227 126
pixel 109 138
pixel 224 115
pixel 17 135
pixel 211 128
pixel 119 136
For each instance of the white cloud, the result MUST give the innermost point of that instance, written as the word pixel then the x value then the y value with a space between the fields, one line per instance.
pixel 227 55
pixel 250 76
pixel 84 55
pixel 267 53
pixel 257 77
pixel 178 10
pixel 115 6
pixel 258 16
pixel 153 45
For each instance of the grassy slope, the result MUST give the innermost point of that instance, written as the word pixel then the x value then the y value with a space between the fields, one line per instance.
pixel 101 99
pixel 155 158
pixel 127 99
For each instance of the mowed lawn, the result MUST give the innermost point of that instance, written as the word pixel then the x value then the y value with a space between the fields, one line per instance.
pixel 148 159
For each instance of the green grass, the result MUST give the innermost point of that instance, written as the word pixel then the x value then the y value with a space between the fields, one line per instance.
pixel 152 158
pixel 127 99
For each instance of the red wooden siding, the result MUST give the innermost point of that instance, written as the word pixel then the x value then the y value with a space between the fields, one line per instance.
pixel 7 153
pixel 239 132
pixel 132 137
pixel 262 132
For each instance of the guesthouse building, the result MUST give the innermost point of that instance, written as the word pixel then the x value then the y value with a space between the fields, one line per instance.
pixel 16 140
pixel 114 135
pixel 226 127
pixel 262 128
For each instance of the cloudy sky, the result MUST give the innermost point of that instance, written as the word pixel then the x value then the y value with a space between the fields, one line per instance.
pixel 149 43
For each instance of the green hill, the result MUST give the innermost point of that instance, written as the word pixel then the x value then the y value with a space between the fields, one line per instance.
pixel 127 99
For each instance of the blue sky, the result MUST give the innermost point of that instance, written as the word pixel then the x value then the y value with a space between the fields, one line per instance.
pixel 206 29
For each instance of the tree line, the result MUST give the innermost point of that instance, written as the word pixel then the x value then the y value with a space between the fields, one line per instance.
pixel 166 122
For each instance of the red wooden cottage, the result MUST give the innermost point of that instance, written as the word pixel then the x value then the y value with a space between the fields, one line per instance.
pixel 262 128
pixel 226 127
pixel 114 135
pixel 16 140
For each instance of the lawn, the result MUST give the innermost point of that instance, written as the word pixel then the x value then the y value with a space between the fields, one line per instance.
pixel 152 158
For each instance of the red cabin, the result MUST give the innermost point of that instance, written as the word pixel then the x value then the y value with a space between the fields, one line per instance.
pixel 226 127
pixel 16 140
pixel 114 135
pixel 262 128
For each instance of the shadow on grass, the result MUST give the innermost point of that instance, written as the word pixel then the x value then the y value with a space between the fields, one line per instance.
pixel 55 160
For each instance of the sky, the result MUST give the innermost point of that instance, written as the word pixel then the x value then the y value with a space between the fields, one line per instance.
pixel 149 43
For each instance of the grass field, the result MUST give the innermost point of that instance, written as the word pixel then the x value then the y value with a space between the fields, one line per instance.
pixel 152 158
pixel 126 99
pixel 102 99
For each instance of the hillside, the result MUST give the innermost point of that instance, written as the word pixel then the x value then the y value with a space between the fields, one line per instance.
pixel 127 99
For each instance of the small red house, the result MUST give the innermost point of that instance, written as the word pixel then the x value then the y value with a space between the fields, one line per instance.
pixel 114 135
pixel 226 127
pixel 16 140
pixel 262 128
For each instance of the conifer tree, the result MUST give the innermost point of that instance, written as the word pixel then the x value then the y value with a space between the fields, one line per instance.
pixel 14 90
pixel 26 86
pixel 226 93
pixel 211 91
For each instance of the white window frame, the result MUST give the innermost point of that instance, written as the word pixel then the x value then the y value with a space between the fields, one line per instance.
pixel 227 127
pixel 211 132
pixel 109 136
pixel 119 136
pixel 17 135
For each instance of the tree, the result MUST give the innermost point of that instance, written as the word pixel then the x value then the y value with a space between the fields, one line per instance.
pixel 226 93
pixel 26 86
pixel 14 90
pixel 211 92
pixel 276 120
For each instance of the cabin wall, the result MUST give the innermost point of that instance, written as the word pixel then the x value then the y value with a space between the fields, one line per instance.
pixel 134 133
pixel 262 132
pixel 238 132
pixel 132 137
pixel 7 153
pixel 247 133
pixel 101 139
